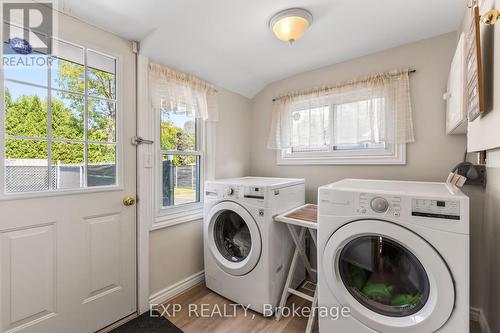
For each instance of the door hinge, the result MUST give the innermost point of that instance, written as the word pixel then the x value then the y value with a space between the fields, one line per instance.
pixel 139 140
pixel 135 47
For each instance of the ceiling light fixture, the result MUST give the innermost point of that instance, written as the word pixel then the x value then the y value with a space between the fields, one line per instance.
pixel 290 24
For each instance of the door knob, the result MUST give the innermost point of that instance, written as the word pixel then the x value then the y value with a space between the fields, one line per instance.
pixel 129 201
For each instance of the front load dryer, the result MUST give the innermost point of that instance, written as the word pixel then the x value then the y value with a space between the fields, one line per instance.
pixel 396 254
pixel 247 254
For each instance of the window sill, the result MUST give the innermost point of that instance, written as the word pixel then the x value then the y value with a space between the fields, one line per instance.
pixel 397 157
pixel 177 215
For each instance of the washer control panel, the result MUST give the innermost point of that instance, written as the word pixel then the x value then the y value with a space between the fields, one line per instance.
pixel 235 192
pixel 374 203
pixel 441 209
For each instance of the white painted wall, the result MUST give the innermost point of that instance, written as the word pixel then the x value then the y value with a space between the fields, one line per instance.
pixel 175 254
pixel 233 135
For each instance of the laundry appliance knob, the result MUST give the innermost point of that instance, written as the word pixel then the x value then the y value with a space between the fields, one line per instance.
pixel 379 205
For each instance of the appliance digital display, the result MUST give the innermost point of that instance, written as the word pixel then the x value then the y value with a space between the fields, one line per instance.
pixel 440 209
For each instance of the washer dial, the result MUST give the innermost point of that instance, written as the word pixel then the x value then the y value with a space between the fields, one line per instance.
pixel 379 205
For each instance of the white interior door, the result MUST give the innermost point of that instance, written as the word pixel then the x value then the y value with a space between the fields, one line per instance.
pixel 68 248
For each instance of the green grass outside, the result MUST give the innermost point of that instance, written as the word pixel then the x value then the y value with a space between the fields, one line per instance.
pixel 183 191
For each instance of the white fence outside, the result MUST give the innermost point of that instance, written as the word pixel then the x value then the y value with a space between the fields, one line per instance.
pixel 32 175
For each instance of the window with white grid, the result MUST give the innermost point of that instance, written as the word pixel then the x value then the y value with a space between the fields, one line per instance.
pixel 181 151
pixel 60 120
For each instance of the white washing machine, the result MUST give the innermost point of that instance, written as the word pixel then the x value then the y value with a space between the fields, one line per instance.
pixel 247 254
pixel 395 253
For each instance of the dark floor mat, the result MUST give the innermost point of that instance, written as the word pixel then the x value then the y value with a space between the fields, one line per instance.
pixel 146 323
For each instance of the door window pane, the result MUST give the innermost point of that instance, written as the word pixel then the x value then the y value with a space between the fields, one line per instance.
pixel 68 164
pixel 232 236
pixel 101 75
pixel 67 153
pixel 67 75
pixel 26 168
pixel 70 143
pixel 101 120
pixel 384 276
pixel 101 165
pixel 26 110
pixel 26 68
pixel 101 84
pixel 67 116
pixel 68 52
pixel 180 179
pixel 67 67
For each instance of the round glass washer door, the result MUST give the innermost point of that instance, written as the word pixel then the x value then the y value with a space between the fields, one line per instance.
pixel 384 276
pixel 234 238
pixel 390 278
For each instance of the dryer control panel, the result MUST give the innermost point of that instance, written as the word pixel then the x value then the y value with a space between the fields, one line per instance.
pixel 441 209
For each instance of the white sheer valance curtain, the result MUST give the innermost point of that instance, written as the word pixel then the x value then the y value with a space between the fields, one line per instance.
pixel 371 109
pixel 182 93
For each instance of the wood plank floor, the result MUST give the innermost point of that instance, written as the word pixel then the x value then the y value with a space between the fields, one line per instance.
pixel 252 322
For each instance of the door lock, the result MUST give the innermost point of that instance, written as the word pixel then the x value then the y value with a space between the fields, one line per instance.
pixel 138 140
pixel 129 201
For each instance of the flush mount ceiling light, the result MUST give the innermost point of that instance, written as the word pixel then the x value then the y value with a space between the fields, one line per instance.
pixel 290 24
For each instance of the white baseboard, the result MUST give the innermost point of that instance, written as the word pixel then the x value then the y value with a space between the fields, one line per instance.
pixel 170 292
pixel 477 315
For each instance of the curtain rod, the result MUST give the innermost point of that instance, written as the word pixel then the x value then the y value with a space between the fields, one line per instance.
pixel 411 71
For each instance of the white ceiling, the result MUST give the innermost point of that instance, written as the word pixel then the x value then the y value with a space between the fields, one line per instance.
pixel 228 43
